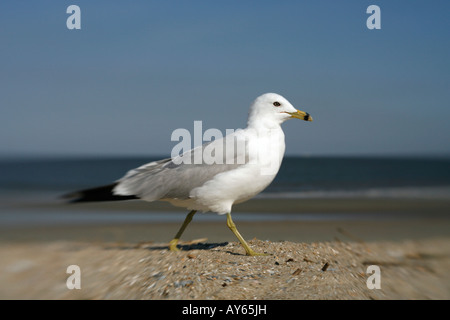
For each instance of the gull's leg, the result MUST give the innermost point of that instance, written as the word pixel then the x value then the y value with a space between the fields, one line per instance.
pixel 233 228
pixel 174 242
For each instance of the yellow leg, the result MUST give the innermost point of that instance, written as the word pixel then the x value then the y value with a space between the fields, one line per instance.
pixel 174 242
pixel 233 228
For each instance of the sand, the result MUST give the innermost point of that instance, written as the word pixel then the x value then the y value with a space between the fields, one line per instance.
pixel 205 270
pixel 308 258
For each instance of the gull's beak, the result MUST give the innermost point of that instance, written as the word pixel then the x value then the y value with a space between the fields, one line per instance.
pixel 302 115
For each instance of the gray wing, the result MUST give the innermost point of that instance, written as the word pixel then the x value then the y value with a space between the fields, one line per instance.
pixel 175 178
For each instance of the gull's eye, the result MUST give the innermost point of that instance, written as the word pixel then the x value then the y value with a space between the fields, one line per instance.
pixel 276 104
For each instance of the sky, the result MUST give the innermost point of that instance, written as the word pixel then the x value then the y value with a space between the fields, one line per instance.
pixel 136 71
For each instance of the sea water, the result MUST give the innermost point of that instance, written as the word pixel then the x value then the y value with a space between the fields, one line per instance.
pixel 28 187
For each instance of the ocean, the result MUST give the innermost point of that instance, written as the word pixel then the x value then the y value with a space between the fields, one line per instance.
pixel 298 176
pixel 31 186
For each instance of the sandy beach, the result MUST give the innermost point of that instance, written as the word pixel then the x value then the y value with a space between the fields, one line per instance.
pixel 324 258
pixel 325 270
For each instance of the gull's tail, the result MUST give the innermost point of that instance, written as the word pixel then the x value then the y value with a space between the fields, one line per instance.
pixel 103 193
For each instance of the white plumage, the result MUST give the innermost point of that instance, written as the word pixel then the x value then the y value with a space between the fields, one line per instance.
pixel 245 163
pixel 216 187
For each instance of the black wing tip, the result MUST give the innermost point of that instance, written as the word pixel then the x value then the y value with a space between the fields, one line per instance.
pixel 103 193
pixel 72 197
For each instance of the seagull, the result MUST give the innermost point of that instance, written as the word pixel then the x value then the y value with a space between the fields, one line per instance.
pixel 214 176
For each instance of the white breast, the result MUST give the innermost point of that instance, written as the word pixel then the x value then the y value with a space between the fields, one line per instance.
pixel 266 150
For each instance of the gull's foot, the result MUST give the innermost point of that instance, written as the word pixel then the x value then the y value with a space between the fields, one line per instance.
pixel 173 245
pixel 253 253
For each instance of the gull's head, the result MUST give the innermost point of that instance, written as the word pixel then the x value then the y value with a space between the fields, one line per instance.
pixel 271 108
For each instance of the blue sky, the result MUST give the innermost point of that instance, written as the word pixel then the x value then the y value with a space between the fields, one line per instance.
pixel 138 70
